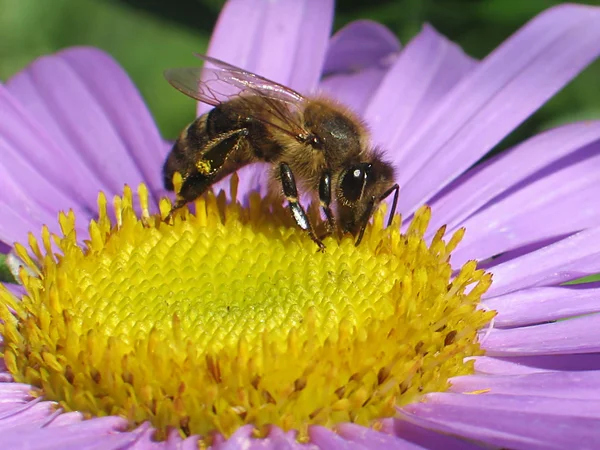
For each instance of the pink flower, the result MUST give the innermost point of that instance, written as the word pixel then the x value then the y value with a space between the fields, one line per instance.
pixel 73 124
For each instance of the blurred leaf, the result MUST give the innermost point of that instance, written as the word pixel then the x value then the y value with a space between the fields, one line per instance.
pixel 143 44
pixel 5 275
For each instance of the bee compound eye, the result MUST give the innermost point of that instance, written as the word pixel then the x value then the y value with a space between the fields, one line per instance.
pixel 353 183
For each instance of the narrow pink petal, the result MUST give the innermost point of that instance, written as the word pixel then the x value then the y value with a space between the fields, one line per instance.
pixel 558 203
pixel 504 89
pixel 577 335
pixel 560 385
pixel 480 185
pixel 68 107
pixel 565 260
pixel 543 363
pixel 425 71
pixel 544 304
pixel 270 38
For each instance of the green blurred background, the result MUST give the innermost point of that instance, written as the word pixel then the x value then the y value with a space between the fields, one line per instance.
pixel 147 36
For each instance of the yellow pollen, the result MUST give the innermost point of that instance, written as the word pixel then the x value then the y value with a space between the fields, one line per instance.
pixel 204 167
pixel 229 316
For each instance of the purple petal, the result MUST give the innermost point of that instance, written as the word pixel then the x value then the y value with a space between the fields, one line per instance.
pixel 326 439
pixel 470 192
pixel 559 385
pixel 565 260
pixel 353 90
pixel 15 393
pixel 577 335
pixel 15 289
pixel 528 364
pixel 122 103
pixel 524 403
pixel 544 304
pixel 145 439
pixel 505 428
pixel 358 45
pixel 26 417
pixel 504 89
pixel 402 435
pixel 427 439
pixel 64 419
pixel 66 104
pixel 372 439
pixel 425 71
pixel 569 192
pixel 90 434
pixel 241 438
pixel 32 173
pixel 270 38
pixel 358 57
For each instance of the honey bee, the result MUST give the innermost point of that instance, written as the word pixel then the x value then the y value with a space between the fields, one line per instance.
pixel 311 143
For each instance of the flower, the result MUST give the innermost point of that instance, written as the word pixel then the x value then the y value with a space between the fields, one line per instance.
pixel 68 119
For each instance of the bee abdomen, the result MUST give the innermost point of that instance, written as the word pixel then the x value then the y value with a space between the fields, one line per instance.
pixel 181 157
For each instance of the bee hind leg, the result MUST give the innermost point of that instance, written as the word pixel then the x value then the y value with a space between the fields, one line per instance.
pixel 207 166
pixel 191 189
pixel 298 213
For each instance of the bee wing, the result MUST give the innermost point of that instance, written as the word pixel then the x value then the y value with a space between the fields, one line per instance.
pixel 218 82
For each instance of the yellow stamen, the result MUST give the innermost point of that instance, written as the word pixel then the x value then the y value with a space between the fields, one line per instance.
pixel 229 316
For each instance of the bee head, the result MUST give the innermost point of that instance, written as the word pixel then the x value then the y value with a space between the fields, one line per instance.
pixel 360 188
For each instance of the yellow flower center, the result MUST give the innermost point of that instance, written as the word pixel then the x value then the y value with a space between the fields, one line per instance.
pixel 229 316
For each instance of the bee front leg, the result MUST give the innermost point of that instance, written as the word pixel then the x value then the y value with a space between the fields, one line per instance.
pixel 325 200
pixel 291 194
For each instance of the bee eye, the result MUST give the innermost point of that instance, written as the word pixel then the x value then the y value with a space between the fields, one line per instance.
pixel 316 142
pixel 353 182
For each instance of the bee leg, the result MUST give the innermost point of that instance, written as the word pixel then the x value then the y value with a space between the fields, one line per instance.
pixel 214 156
pixel 325 200
pixel 291 194
pixel 396 189
pixel 365 220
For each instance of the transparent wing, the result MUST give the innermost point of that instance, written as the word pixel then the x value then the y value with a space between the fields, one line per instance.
pixel 218 82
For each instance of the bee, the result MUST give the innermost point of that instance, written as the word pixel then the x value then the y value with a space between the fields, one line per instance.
pixel 311 143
